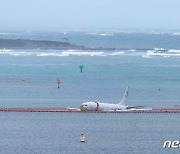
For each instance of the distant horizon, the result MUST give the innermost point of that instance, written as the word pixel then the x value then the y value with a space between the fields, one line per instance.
pixel 94 31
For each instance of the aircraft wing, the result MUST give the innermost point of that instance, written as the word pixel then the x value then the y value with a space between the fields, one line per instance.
pixel 134 107
pixel 73 109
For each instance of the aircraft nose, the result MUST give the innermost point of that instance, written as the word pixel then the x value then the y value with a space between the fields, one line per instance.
pixel 81 108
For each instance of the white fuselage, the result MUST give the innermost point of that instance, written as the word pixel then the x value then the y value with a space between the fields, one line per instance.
pixel 97 106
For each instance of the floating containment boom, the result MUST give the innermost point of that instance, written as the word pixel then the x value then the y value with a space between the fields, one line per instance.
pixel 76 110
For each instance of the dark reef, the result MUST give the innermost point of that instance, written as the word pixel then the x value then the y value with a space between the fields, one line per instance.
pixel 46 44
pixel 34 44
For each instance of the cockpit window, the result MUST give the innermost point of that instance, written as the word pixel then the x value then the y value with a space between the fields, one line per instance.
pixel 85 105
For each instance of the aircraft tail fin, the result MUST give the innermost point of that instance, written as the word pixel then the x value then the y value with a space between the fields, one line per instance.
pixel 125 96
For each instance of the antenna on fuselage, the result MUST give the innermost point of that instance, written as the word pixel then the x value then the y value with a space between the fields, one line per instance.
pixel 124 99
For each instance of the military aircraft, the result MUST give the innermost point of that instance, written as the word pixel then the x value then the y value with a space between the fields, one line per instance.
pixel 99 106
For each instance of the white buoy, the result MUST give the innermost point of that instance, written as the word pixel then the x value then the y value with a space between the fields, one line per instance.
pixel 82 138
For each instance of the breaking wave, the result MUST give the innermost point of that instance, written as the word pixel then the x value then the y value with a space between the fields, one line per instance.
pixel 59 53
pixel 161 53
pixel 156 52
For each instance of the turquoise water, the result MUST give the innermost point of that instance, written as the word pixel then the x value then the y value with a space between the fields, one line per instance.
pixel 104 78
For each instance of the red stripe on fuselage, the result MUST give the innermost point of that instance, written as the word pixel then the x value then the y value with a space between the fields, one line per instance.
pixel 97 107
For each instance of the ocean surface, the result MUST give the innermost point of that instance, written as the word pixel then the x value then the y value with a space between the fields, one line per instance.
pixel 148 62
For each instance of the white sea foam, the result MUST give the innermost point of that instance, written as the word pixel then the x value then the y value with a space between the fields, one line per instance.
pixel 54 53
pixel 80 53
pixel 169 53
pixel 72 53
pixel 15 53
pixel 116 53
pixel 64 53
pixel 21 53
pixel 159 49
pixel 5 50
pixel 47 54
pixel 151 53
pixel 133 50
pixel 177 33
pixel 174 51
pixel 3 33
pixel 102 34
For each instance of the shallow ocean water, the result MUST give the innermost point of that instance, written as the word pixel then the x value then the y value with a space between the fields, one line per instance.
pixel 154 82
